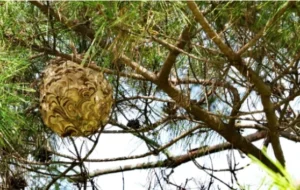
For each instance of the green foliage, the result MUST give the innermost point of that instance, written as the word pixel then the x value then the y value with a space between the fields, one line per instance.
pixel 14 94
pixel 280 181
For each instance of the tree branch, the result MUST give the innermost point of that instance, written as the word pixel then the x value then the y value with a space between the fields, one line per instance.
pixel 173 48
pixel 176 161
pixel 262 32
pixel 79 28
pixel 170 61
pixel 138 68
pixel 209 31
pixel 262 88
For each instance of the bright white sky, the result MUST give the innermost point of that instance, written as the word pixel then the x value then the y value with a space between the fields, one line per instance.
pixel 114 145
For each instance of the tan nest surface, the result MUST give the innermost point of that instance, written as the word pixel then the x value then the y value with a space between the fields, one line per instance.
pixel 74 100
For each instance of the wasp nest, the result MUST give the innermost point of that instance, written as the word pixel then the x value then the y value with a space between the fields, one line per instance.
pixel 74 100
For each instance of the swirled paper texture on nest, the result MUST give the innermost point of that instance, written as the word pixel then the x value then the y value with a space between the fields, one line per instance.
pixel 74 100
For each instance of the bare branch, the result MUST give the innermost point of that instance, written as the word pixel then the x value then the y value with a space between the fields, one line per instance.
pixel 210 32
pixel 170 60
pixel 138 68
pixel 176 161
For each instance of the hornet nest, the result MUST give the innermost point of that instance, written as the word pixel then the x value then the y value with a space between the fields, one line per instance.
pixel 74 100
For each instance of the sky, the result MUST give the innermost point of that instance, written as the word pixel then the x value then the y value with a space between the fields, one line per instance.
pixel 114 145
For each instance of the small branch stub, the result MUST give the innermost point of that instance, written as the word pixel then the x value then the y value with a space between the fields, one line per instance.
pixel 74 100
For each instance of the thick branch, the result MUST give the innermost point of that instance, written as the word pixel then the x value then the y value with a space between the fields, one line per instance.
pixel 262 88
pixel 209 31
pixel 170 61
pixel 138 68
pixel 290 136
